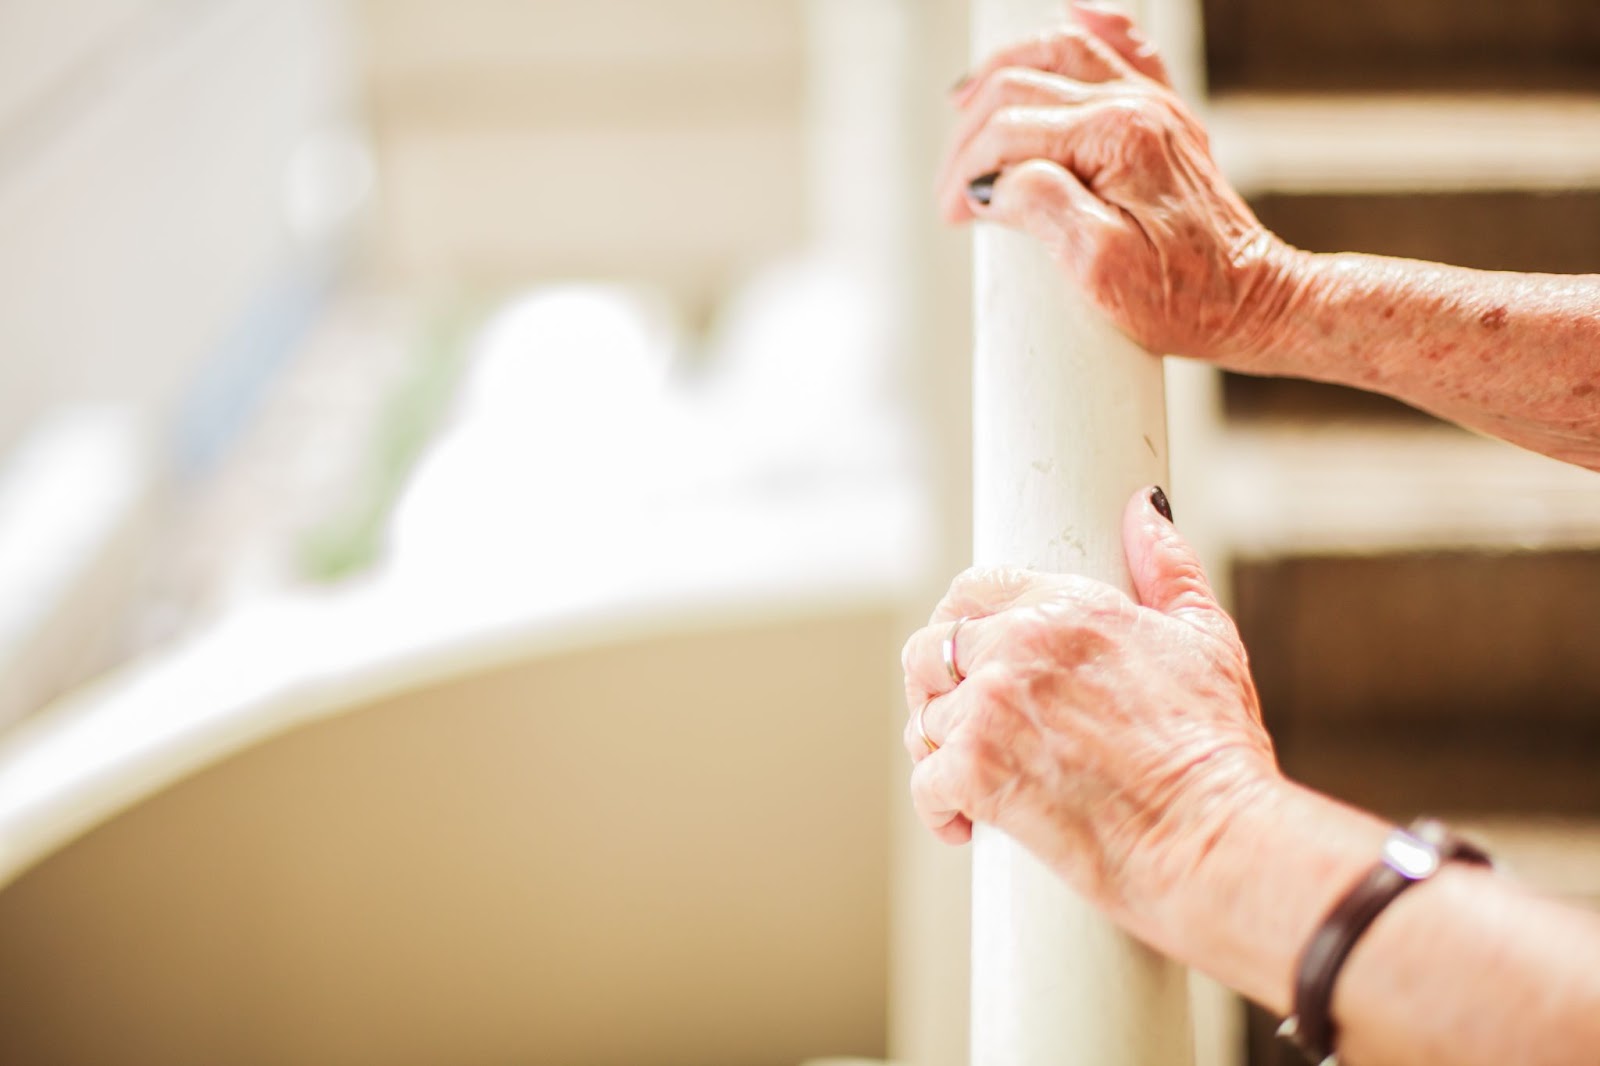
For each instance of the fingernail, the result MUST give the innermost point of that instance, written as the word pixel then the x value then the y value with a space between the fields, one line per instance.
pixel 982 189
pixel 961 83
pixel 1158 500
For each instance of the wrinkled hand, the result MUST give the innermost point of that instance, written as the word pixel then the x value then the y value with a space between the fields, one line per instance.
pixel 1076 138
pixel 1110 738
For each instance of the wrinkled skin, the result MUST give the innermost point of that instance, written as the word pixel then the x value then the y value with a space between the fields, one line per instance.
pixel 1101 161
pixel 1091 152
pixel 1120 739
pixel 1113 738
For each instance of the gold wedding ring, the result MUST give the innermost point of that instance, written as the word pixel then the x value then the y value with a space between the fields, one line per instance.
pixel 949 650
pixel 922 732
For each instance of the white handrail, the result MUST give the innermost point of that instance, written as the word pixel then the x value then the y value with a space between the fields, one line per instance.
pixel 1069 421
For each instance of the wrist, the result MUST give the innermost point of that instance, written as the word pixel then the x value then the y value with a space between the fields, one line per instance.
pixel 1283 858
pixel 1277 285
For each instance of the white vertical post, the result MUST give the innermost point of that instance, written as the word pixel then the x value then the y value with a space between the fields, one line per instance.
pixel 1068 421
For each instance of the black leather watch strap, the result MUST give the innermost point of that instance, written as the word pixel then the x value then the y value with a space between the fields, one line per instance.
pixel 1410 856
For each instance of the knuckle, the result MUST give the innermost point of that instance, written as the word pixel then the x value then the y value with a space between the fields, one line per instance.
pixel 1030 628
pixel 987 775
pixel 971 577
pixel 1118 18
pixel 1089 595
pixel 985 693
pixel 1066 37
pixel 1134 114
pixel 1104 55
pixel 1014 81
pixel 1013 119
pixel 1145 134
pixel 963 766
pixel 1068 48
pixel 996 706
pixel 1036 181
pixel 977 582
pixel 1068 631
pixel 1076 47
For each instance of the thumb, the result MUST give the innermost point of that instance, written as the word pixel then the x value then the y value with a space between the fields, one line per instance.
pixel 1167 575
pixel 1047 201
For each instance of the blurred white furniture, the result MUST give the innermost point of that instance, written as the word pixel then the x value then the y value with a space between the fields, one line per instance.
pixel 74 510
pixel 389 826
pixel 596 767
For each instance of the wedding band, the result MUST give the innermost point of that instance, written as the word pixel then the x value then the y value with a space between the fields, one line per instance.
pixel 949 650
pixel 916 721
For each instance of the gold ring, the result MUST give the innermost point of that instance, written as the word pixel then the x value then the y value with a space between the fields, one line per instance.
pixel 949 651
pixel 916 720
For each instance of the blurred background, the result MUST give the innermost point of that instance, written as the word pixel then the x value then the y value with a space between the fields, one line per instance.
pixel 467 470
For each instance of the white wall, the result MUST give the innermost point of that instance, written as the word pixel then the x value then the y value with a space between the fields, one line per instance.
pixel 655 140
pixel 143 146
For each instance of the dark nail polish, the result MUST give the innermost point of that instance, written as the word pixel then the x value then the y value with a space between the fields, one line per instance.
pixel 961 83
pixel 982 189
pixel 1158 500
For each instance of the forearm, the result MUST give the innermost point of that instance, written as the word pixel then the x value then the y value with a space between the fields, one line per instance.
pixel 1513 355
pixel 1461 970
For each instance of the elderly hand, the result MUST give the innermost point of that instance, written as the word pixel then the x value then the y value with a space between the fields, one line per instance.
pixel 1076 138
pixel 1111 738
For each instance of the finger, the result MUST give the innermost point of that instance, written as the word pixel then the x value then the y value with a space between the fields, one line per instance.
pixel 1016 86
pixel 1014 135
pixel 1049 203
pixel 980 591
pixel 912 740
pixel 935 796
pixel 1017 112
pixel 1167 575
pixel 1116 28
pixel 927 673
pixel 940 716
pixel 1071 51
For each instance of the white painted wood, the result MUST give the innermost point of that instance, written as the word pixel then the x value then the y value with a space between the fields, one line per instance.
pixel 1406 143
pixel 1289 491
pixel 1068 423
